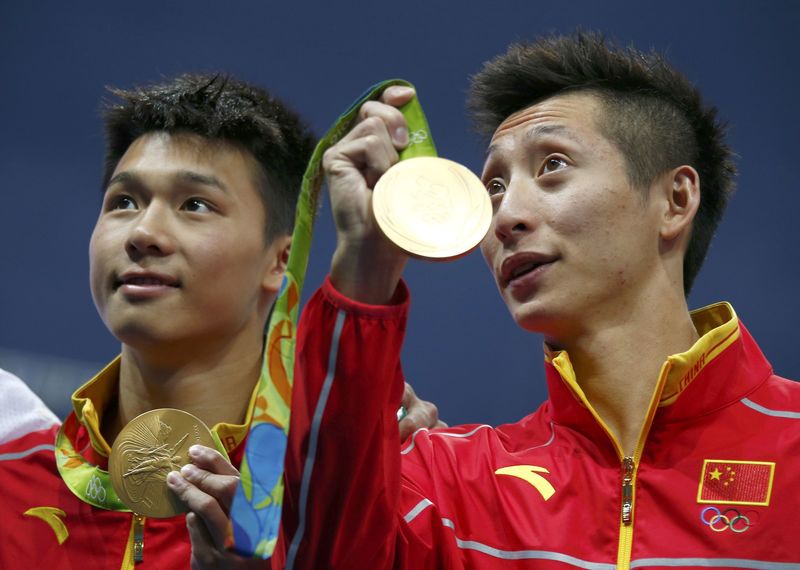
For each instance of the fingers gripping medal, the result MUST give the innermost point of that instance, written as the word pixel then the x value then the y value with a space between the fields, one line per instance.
pixel 145 451
pixel 430 207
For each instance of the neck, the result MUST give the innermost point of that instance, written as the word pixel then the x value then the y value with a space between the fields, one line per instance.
pixel 618 362
pixel 213 383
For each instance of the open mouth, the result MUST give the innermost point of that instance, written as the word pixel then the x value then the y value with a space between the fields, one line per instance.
pixel 521 265
pixel 524 269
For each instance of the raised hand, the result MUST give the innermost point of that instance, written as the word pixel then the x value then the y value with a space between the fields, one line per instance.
pixel 366 266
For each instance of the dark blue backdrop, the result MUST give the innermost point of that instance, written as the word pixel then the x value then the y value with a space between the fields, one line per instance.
pixel 463 351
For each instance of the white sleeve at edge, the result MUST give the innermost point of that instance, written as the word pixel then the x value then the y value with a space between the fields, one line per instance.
pixel 21 411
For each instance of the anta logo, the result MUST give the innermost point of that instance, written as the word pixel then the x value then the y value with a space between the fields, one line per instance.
pixel 530 474
pixel 52 516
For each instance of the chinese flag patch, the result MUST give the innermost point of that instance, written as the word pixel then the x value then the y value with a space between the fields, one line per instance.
pixel 728 482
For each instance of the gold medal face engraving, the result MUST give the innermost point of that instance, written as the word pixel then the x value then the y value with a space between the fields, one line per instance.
pixel 432 207
pixel 149 447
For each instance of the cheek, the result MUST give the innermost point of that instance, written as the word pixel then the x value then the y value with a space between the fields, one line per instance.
pixel 96 247
pixel 97 258
pixel 234 260
pixel 489 247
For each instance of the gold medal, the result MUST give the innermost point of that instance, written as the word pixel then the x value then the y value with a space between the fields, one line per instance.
pixel 149 447
pixel 432 207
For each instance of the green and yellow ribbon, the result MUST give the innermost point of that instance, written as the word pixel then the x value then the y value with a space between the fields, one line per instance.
pixel 256 509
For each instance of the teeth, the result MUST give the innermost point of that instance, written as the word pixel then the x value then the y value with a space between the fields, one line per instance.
pixel 524 269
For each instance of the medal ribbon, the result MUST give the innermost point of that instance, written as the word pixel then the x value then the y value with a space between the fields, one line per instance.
pixel 256 509
pixel 91 483
pixel 88 481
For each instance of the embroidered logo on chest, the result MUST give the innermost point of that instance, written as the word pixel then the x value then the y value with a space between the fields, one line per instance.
pixel 725 482
pixel 530 474
pixel 51 516
pixel 729 482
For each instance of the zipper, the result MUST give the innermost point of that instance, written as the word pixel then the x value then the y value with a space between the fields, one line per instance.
pixel 629 462
pixel 627 490
pixel 134 547
pixel 138 538
pixel 626 514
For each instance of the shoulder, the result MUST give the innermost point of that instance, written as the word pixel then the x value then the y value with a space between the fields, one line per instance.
pixel 476 439
pixel 21 411
pixel 776 398
pixel 29 445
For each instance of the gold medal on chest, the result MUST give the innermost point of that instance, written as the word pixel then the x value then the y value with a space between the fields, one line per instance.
pixel 145 451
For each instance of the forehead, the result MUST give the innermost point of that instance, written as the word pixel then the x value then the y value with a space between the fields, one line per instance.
pixel 572 115
pixel 162 153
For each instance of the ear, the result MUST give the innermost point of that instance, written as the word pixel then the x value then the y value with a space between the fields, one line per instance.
pixel 681 200
pixel 278 257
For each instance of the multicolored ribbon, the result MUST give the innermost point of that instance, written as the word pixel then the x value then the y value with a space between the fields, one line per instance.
pixel 256 509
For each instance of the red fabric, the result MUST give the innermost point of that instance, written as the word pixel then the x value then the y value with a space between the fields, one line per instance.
pixel 97 537
pixel 363 490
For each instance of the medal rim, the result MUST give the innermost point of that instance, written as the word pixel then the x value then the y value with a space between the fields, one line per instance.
pixel 163 499
pixel 387 189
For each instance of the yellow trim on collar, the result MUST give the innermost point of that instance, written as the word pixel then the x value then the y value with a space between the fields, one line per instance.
pixel 231 435
pixel 718 328
pixel 561 362
pixel 92 399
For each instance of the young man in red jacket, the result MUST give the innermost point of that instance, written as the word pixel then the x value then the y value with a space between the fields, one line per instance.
pixel 666 440
pixel 187 256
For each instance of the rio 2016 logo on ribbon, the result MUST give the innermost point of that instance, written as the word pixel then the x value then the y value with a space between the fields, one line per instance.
pixel 720 521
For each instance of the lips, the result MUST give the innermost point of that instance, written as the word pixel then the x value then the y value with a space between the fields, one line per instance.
pixel 521 264
pixel 145 279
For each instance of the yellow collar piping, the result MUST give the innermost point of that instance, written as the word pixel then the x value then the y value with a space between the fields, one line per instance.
pixel 93 398
pixel 718 328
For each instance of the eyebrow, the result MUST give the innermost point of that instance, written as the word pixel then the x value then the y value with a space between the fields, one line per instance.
pixel 133 179
pixel 541 131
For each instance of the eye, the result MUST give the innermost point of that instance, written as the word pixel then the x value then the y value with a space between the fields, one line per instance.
pixel 495 186
pixel 122 202
pixel 553 164
pixel 196 205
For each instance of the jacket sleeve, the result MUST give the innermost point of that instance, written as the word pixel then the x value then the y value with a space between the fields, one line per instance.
pixel 346 502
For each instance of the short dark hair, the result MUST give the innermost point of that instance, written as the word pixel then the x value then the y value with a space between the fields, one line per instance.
pixel 218 107
pixel 654 115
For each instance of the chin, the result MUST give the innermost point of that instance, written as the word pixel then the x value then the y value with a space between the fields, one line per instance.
pixel 138 334
pixel 536 318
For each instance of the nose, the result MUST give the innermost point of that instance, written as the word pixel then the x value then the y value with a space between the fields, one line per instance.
pixel 150 234
pixel 515 215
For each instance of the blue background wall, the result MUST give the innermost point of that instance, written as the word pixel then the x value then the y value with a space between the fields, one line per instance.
pixel 463 351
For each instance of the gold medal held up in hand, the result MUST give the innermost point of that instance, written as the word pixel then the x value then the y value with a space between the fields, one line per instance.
pixel 149 447
pixel 432 207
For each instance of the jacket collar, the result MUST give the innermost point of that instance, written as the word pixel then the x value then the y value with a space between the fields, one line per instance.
pixel 91 400
pixel 722 367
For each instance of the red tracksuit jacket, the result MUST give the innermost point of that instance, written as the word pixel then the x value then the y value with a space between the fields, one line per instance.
pixel 714 481
pixel 45 526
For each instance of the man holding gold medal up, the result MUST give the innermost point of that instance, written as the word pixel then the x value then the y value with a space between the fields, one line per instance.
pixel 666 440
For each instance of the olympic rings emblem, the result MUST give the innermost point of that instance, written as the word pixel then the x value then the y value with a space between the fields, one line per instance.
pixel 95 489
pixel 417 137
pixel 720 521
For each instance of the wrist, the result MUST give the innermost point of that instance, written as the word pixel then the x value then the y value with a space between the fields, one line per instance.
pixel 367 272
